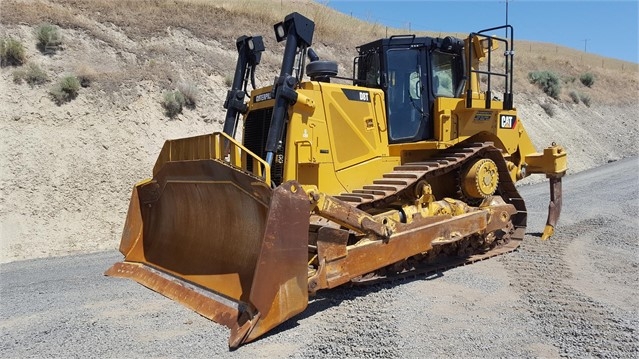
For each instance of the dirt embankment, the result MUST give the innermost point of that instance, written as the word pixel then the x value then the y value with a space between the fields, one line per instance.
pixel 67 171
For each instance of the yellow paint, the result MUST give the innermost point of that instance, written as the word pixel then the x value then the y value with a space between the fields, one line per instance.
pixel 340 144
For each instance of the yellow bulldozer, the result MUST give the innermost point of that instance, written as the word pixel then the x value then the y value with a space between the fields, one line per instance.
pixel 407 167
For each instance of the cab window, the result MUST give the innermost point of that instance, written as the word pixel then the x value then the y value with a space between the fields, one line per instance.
pixel 445 81
pixel 404 91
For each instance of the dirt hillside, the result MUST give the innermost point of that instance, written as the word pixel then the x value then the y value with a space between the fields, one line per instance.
pixel 67 170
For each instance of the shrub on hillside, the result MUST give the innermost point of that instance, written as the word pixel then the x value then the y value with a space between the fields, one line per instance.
pixel 18 76
pixel 585 99
pixel 548 108
pixel 190 93
pixel 65 90
pixel 587 79
pixel 49 38
pixel 32 74
pixel 547 81
pixel 173 102
pixel 574 96
pixel 86 75
pixel 228 80
pixel 11 52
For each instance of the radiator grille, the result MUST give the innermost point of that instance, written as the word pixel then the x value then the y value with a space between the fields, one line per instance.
pixel 256 129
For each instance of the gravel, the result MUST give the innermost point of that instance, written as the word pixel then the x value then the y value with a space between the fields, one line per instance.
pixel 573 296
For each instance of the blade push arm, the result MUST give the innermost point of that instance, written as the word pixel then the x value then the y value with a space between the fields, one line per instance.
pixel 297 30
pixel 249 50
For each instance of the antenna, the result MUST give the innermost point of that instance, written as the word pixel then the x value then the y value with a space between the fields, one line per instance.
pixel 506 18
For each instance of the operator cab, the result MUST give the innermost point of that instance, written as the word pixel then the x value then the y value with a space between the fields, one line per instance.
pixel 412 72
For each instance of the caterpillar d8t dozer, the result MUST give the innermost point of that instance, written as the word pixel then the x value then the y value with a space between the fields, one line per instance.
pixel 406 167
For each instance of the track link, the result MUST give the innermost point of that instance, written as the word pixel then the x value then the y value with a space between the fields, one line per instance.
pixel 400 181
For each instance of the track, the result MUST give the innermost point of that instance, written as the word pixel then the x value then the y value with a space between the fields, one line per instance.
pixel 400 185
pixel 443 263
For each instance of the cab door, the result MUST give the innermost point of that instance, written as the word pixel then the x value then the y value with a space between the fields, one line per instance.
pixel 408 104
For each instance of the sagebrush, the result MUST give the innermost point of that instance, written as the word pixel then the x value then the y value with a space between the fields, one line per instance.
pixel 31 74
pixel 548 81
pixel 173 102
pixel 587 79
pixel 574 96
pixel 190 93
pixel 585 99
pixel 49 38
pixel 548 108
pixel 11 52
pixel 65 90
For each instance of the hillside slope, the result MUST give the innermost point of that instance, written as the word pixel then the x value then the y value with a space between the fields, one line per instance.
pixel 67 171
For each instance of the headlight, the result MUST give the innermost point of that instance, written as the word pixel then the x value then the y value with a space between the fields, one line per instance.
pixel 280 32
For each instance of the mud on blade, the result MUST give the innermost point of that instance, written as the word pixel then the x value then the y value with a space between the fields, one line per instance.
pixel 221 242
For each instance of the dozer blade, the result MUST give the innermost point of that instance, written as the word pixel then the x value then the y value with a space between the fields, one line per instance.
pixel 221 242
pixel 554 207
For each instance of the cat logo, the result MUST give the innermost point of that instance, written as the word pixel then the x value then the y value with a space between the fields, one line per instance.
pixel 507 121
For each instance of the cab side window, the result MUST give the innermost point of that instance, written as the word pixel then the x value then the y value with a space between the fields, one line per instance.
pixel 445 81
pixel 369 70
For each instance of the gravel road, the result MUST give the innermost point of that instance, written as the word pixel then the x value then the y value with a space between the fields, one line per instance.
pixel 576 296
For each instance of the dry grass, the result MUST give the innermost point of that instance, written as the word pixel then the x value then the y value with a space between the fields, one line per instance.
pixel 86 74
pixel 617 80
pixel 143 24
pixel 31 74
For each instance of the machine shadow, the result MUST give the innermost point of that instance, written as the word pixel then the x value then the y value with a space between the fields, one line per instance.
pixel 334 297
